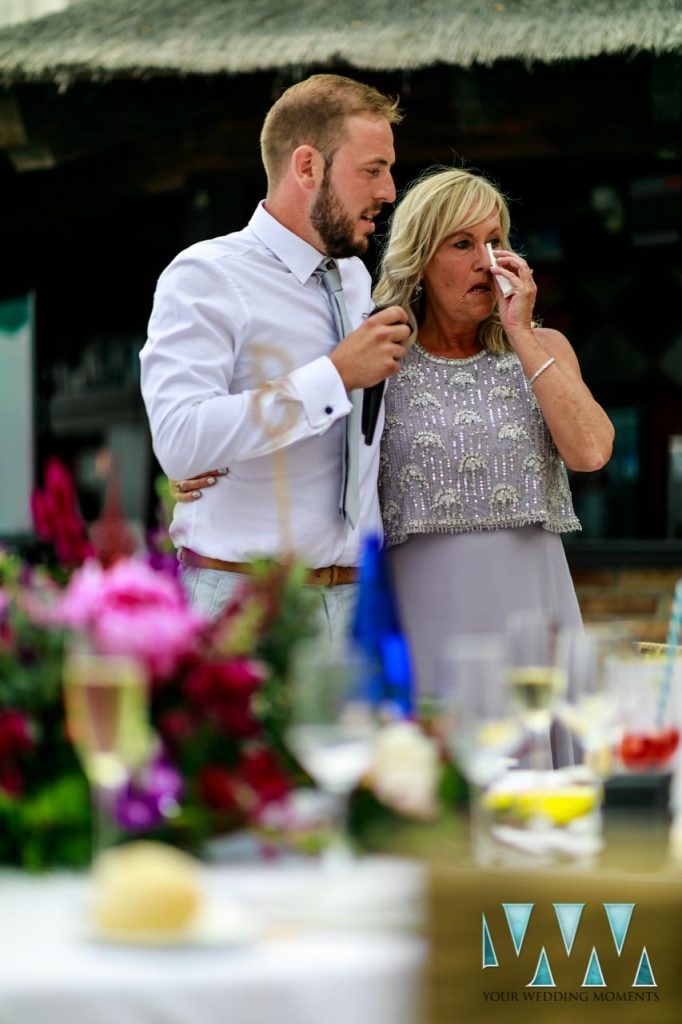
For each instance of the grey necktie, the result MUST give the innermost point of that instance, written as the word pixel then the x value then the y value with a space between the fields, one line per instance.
pixel 349 502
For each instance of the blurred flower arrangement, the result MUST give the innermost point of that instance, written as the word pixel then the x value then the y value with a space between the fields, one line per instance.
pixel 218 699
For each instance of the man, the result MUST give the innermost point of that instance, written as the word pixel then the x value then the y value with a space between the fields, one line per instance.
pixel 243 366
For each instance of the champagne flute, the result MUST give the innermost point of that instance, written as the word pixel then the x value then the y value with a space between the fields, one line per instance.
pixel 106 705
pixel 333 723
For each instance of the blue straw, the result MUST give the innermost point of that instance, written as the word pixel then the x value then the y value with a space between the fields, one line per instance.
pixel 672 639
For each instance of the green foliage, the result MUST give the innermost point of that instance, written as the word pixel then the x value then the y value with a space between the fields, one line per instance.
pixel 49 827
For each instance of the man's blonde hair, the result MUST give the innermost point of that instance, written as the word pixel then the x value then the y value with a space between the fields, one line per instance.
pixel 440 203
pixel 313 113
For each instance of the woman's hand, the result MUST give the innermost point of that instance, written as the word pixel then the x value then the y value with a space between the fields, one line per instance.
pixel 189 490
pixel 581 430
pixel 516 309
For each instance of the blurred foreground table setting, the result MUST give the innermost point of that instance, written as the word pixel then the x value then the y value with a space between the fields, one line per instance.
pixel 132 731
pixel 236 820
pixel 248 944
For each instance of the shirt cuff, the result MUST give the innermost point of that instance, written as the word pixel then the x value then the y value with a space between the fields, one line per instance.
pixel 321 392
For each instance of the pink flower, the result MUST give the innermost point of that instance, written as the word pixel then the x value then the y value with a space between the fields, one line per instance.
pixel 131 609
pixel 5 629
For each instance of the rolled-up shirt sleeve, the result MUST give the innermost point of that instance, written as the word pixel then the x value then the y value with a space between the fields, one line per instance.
pixel 198 323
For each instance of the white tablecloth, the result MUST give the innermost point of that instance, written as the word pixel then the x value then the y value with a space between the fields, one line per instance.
pixel 323 970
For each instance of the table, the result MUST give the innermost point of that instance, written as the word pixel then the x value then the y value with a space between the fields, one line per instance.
pixel 634 870
pixel 300 971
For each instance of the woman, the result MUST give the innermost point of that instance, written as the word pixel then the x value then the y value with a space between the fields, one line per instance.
pixel 485 414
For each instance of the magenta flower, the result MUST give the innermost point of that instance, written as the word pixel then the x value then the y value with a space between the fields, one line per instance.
pixel 56 515
pixel 129 608
pixel 150 796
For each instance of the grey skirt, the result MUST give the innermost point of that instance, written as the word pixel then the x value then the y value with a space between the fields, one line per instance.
pixel 449 584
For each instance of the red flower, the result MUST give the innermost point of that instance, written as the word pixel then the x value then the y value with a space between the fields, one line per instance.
pixel 218 789
pixel 177 726
pixel 236 718
pixel 16 735
pixel 261 771
pixel 10 780
pixel 6 636
pixel 225 689
pixel 216 680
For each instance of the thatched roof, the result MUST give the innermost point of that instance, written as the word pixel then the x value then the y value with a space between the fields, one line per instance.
pixel 130 37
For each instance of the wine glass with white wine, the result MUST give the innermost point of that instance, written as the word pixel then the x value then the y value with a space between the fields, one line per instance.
pixel 106 702
pixel 333 723
pixel 535 678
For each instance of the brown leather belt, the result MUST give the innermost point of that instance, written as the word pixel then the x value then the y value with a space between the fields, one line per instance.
pixel 327 576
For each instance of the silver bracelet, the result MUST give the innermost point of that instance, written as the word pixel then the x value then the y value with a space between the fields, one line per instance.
pixel 541 369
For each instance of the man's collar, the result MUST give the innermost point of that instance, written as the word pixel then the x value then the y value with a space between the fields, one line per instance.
pixel 295 253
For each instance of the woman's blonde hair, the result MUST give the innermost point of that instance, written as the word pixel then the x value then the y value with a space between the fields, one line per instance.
pixel 441 202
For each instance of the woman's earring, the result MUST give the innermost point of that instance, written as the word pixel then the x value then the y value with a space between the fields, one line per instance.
pixel 417 290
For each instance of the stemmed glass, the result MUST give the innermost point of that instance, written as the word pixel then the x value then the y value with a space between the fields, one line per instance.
pixel 479 726
pixel 106 702
pixel 474 710
pixel 589 707
pixel 535 678
pixel 334 718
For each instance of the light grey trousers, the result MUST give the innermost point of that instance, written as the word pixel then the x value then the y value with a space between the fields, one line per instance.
pixel 210 590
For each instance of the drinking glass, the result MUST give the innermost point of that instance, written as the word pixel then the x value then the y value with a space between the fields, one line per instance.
pixel 479 726
pixel 535 678
pixel 106 702
pixel 475 714
pixel 518 814
pixel 648 699
pixel 333 721
pixel 589 706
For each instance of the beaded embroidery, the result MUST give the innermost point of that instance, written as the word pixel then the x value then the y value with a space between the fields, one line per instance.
pixel 467 449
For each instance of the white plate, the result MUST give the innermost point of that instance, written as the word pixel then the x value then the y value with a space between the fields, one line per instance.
pixel 367 893
pixel 218 926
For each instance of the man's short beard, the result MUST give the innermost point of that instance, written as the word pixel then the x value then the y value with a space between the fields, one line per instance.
pixel 334 225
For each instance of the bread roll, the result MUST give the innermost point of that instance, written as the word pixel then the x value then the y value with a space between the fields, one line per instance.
pixel 145 887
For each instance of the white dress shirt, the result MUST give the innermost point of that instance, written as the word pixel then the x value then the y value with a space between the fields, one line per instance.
pixel 235 373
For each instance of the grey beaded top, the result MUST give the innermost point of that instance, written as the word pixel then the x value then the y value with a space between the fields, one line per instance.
pixel 465 447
